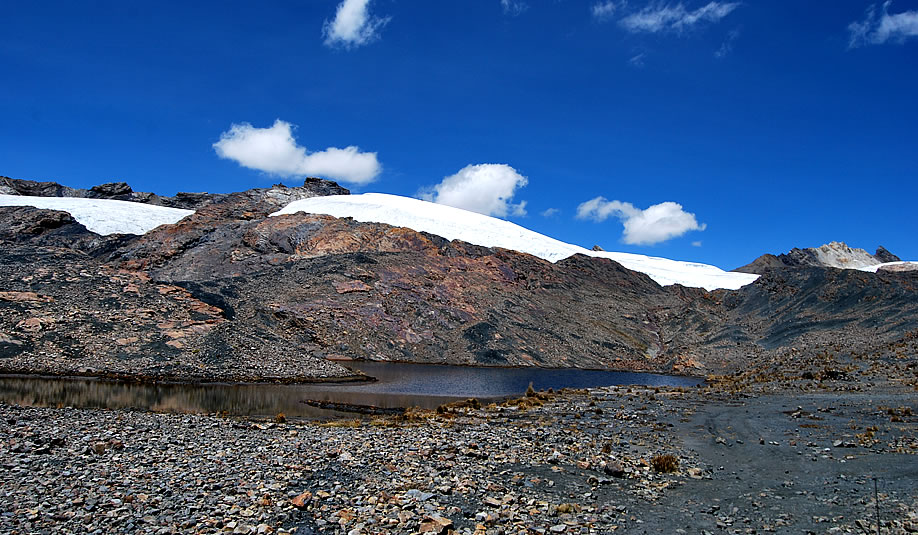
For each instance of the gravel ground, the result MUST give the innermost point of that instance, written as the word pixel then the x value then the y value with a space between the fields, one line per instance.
pixel 579 463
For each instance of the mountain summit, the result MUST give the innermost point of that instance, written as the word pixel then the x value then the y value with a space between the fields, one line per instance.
pixel 836 255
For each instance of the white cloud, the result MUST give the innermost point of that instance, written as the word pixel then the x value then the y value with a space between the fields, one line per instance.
pixel 485 188
pixel 696 243
pixel 638 60
pixel 661 18
pixel 727 46
pixel 603 11
pixel 550 212
pixel 273 150
pixel 656 224
pixel 353 25
pixel 880 27
pixel 514 7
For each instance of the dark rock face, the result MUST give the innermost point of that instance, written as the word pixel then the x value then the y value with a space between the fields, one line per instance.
pixel 231 293
pixel 121 191
pixel 885 256
pixel 52 228
pixel 111 190
pixel 14 186
pixel 24 223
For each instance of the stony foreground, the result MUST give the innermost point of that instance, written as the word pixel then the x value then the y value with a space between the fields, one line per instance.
pixel 578 462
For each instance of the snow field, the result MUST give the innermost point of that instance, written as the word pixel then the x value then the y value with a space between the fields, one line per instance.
pixel 457 224
pixel 104 216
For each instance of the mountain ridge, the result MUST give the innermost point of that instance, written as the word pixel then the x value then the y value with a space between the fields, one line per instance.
pixel 230 293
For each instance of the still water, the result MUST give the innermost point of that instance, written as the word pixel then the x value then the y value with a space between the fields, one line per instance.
pixel 397 385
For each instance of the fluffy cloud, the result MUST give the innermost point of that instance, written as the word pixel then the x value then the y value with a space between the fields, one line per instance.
pixel 514 7
pixel 485 188
pixel 604 10
pixel 273 150
pixel 550 212
pixel 656 224
pixel 661 18
pixel 879 27
pixel 353 25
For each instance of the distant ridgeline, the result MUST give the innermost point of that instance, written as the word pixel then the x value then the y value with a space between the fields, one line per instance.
pixel 835 255
pixel 121 191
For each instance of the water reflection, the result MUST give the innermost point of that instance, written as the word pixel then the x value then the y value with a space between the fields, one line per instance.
pixel 398 385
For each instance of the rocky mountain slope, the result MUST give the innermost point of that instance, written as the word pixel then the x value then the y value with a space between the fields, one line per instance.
pixel 834 255
pixel 230 293
pixel 118 191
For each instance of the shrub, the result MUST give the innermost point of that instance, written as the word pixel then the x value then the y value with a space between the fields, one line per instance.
pixel 530 392
pixel 665 463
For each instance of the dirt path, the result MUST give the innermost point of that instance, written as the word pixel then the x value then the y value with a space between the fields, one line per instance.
pixel 777 465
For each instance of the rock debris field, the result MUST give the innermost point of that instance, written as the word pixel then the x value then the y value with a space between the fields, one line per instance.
pixel 573 462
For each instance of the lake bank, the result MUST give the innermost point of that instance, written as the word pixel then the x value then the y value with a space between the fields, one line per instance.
pixel 580 463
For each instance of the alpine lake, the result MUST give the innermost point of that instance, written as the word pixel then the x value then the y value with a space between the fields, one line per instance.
pixel 397 386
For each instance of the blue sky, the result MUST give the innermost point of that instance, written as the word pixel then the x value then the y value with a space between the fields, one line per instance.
pixel 708 131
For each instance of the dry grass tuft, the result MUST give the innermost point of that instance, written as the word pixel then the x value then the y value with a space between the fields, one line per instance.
pixel 471 403
pixel 665 464
pixel 356 422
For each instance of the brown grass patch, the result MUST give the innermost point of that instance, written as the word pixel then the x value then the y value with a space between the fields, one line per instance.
pixel 665 464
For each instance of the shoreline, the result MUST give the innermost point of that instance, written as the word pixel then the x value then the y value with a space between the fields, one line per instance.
pixel 204 379
pixel 184 379
pixel 574 462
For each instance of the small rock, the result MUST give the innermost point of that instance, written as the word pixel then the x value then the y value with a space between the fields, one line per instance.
pixel 302 500
pixel 435 524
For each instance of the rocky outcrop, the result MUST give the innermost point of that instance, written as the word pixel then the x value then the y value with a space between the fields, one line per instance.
pixel 62 312
pixel 209 227
pixel 25 225
pixel 884 256
pixel 121 191
pixel 835 254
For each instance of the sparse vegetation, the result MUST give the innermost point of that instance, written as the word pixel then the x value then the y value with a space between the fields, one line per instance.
pixel 530 400
pixel 470 403
pixel 665 464
pixel 356 422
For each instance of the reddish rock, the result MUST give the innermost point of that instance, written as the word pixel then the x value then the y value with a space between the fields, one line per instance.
pixel 346 287
pixel 25 297
pixel 435 524
pixel 302 500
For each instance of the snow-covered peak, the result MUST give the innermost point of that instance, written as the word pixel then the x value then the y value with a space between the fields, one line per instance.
pixel 840 255
pixel 457 224
pixel 104 216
